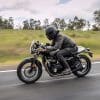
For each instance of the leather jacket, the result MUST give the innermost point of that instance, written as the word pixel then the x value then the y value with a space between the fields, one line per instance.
pixel 61 42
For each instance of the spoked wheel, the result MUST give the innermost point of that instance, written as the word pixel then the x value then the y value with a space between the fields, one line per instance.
pixel 85 63
pixel 28 72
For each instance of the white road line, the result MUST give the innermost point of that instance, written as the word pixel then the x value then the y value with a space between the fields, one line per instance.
pixel 96 74
pixel 54 79
pixel 96 62
pixel 8 71
pixel 51 80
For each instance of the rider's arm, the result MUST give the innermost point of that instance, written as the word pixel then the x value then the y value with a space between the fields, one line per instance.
pixel 58 44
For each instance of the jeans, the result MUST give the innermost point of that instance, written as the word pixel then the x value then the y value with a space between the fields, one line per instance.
pixel 65 52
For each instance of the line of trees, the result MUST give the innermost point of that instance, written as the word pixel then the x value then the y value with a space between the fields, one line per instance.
pixel 96 26
pixel 32 24
pixel 73 24
pixel 6 23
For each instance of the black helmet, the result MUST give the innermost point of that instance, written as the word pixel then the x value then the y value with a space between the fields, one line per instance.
pixel 51 32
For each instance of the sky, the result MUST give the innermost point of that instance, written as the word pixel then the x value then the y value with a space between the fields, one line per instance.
pixel 41 9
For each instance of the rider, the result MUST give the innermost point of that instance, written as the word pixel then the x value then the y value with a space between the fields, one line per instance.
pixel 63 44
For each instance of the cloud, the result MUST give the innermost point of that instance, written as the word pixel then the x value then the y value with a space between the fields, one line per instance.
pixel 96 5
pixel 17 5
pixel 41 9
pixel 63 1
pixel 80 8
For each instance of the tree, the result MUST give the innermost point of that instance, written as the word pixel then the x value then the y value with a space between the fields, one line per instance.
pixel 32 23
pixel 37 24
pixel 76 23
pixel 56 23
pixel 97 17
pixel 59 23
pixel 5 24
pixel 88 25
pixel 79 23
pixel 62 24
pixel 1 22
pixel 70 25
pixel 82 23
pixel 26 24
pixel 46 22
pixel 95 28
pixel 10 23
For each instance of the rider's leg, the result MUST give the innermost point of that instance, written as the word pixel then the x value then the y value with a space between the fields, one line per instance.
pixel 62 60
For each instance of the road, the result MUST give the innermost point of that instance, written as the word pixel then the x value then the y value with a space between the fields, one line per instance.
pixel 47 88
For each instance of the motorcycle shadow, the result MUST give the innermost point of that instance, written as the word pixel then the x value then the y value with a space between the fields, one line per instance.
pixel 68 82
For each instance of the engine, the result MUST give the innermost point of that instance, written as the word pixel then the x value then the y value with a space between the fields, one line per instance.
pixel 54 66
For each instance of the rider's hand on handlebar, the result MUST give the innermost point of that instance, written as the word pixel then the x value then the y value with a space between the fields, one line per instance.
pixel 42 50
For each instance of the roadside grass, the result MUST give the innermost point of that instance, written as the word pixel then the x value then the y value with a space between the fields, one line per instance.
pixel 15 44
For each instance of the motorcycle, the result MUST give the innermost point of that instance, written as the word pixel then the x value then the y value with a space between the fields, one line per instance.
pixel 30 69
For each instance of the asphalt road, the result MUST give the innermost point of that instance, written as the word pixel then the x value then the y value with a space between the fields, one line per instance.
pixel 47 88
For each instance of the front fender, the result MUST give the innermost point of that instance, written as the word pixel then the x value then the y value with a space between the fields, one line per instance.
pixel 33 60
pixel 30 58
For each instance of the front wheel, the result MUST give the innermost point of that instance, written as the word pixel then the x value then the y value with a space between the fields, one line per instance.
pixel 28 73
pixel 86 66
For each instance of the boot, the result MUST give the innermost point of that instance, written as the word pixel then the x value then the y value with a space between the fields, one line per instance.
pixel 67 71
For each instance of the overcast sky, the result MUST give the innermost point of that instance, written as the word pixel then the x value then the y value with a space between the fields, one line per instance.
pixel 41 9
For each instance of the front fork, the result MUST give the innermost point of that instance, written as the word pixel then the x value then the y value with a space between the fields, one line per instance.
pixel 33 65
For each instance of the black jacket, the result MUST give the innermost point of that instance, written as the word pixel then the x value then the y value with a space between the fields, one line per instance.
pixel 61 42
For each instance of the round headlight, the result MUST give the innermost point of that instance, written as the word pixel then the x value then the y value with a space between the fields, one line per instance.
pixel 32 46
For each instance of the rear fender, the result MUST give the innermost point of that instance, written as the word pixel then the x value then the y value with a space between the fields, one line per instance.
pixel 90 53
pixel 82 49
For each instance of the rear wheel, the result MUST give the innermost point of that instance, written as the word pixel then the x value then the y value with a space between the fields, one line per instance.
pixel 86 66
pixel 28 73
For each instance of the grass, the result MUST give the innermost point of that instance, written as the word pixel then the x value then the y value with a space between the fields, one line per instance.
pixel 14 44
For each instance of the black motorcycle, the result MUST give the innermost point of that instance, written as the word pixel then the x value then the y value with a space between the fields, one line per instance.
pixel 30 69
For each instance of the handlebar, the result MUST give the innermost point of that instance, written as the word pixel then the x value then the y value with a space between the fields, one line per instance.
pixel 37 47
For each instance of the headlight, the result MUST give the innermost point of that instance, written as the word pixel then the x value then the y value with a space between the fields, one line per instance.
pixel 32 47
